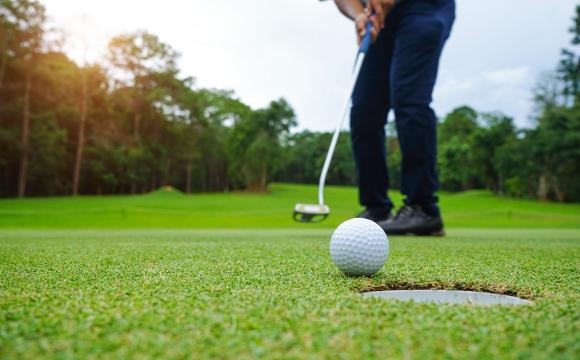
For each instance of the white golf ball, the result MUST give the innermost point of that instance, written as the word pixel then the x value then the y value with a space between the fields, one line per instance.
pixel 359 247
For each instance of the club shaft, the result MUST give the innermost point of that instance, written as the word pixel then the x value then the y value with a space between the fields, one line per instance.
pixel 345 114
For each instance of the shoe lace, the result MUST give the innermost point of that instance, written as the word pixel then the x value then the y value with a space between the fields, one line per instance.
pixel 405 211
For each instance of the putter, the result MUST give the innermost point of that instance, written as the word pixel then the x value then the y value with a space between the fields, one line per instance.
pixel 313 213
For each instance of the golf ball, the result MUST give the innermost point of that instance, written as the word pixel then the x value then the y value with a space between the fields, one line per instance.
pixel 359 247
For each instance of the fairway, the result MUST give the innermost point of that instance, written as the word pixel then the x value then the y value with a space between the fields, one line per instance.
pixel 154 276
pixel 170 210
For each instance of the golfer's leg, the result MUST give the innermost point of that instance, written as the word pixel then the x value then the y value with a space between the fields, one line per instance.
pixel 370 106
pixel 421 31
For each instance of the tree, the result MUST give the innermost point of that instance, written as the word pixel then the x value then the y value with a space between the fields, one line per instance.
pixel 219 113
pixel 455 139
pixel 460 123
pixel 141 56
pixel 569 67
pixel 455 170
pixel 181 108
pixel 256 143
pixel 302 155
pixel 7 33
pixel 497 130
pixel 555 142
pixel 24 21
pixel 151 69
pixel 93 82
pixel 81 133
pixel 556 153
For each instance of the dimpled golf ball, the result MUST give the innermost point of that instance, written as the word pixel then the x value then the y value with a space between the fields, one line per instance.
pixel 359 247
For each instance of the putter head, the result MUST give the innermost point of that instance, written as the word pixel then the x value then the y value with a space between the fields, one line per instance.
pixel 310 213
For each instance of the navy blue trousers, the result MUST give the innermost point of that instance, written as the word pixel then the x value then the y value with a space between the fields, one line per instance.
pixel 399 73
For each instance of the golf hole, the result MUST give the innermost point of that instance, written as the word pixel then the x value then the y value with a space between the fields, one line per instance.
pixel 456 297
pixel 460 295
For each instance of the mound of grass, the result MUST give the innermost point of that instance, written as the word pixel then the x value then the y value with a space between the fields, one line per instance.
pixel 165 191
pixel 275 294
pixel 172 209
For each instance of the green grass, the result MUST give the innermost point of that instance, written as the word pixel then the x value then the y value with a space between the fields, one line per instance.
pixel 230 276
pixel 274 293
pixel 164 210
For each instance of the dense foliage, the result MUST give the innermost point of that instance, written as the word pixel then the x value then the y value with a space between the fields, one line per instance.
pixel 130 125
pixel 133 124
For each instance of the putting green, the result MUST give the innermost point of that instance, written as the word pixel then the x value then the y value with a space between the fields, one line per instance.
pixel 275 293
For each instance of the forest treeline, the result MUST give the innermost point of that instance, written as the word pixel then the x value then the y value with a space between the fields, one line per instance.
pixel 132 124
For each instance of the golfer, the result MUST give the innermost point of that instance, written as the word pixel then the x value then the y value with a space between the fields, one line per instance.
pixel 399 73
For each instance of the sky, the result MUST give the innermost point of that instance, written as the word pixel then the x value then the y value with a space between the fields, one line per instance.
pixel 303 50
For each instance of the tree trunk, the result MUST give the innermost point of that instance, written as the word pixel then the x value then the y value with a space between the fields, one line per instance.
pixel 136 124
pixel 264 179
pixel 188 169
pixel 3 64
pixel 25 135
pixel 81 135
pixel 137 116
pixel 560 195
pixel 542 192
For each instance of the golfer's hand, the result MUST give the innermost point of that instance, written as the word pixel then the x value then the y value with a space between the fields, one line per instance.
pixel 360 22
pixel 381 8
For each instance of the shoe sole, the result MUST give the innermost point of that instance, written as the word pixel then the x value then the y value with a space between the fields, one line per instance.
pixel 437 233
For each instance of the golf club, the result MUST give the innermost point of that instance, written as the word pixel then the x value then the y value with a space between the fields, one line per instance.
pixel 311 213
